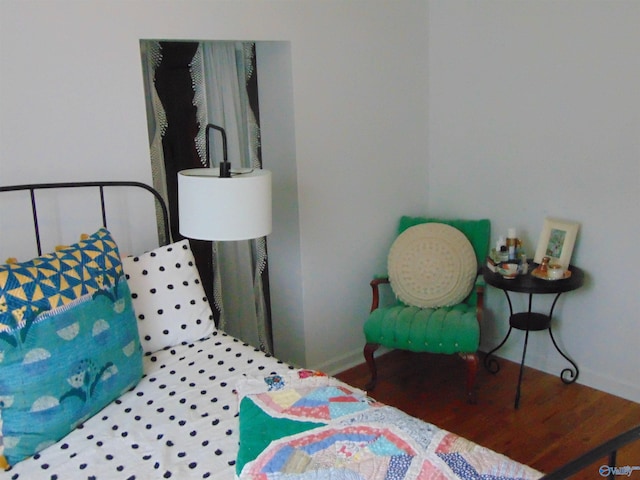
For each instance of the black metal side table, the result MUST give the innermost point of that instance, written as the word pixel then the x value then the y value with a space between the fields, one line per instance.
pixel 530 321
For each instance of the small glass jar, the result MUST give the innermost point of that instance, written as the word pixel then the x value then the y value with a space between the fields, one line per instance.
pixel 523 264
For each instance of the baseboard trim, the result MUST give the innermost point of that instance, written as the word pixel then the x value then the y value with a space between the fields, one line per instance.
pixel 345 362
pixel 587 377
pixel 339 364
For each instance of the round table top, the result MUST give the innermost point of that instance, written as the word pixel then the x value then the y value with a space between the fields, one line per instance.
pixel 530 284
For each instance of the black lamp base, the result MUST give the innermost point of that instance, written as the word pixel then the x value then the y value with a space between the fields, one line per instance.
pixel 225 170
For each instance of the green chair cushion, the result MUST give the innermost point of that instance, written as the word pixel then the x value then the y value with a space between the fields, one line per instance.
pixel 441 330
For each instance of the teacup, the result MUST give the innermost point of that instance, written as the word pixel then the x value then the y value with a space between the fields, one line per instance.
pixel 555 271
pixel 508 270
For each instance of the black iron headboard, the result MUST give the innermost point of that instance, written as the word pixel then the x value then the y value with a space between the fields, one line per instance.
pixel 100 186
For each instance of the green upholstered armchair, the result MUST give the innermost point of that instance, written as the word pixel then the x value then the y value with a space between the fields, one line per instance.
pixel 450 329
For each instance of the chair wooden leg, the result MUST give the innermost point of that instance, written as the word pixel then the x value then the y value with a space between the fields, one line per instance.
pixel 369 348
pixel 472 361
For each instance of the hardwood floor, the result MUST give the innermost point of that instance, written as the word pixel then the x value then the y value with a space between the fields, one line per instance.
pixel 554 424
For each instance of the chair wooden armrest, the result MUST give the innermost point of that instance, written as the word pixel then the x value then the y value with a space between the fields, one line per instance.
pixel 375 300
pixel 479 288
pixel 479 302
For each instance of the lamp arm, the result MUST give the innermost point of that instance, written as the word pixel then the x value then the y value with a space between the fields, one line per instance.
pixel 225 166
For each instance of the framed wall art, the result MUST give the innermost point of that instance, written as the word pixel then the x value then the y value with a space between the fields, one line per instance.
pixel 557 240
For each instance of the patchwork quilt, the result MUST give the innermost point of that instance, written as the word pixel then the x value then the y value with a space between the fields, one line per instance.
pixel 310 426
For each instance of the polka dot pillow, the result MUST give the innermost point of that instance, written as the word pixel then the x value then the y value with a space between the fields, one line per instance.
pixel 168 297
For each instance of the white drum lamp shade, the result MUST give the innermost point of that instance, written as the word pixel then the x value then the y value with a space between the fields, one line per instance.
pixel 219 209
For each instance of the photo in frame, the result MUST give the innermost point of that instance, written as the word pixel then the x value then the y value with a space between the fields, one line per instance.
pixel 557 240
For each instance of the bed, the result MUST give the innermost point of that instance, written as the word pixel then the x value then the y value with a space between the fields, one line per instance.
pixel 111 367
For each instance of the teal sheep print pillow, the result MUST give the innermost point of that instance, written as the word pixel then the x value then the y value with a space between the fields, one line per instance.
pixel 68 343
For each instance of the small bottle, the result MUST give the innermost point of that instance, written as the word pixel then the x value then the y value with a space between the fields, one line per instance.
pixel 523 265
pixel 544 265
pixel 512 243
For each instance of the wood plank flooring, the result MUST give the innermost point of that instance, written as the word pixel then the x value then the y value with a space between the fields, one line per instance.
pixel 554 424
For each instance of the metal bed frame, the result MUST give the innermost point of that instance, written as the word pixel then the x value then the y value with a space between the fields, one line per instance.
pixel 100 186
pixel 609 448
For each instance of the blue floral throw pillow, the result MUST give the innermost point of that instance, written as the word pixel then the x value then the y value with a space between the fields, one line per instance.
pixel 68 343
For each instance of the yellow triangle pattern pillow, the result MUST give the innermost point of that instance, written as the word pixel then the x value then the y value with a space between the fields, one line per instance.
pixel 56 279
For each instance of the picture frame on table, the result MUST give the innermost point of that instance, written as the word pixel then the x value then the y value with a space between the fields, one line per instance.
pixel 557 239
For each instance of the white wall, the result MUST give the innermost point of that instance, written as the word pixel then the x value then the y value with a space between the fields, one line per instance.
pixel 534 111
pixel 279 155
pixel 73 109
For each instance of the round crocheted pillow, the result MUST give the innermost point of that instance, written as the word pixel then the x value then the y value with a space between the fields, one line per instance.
pixel 432 265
